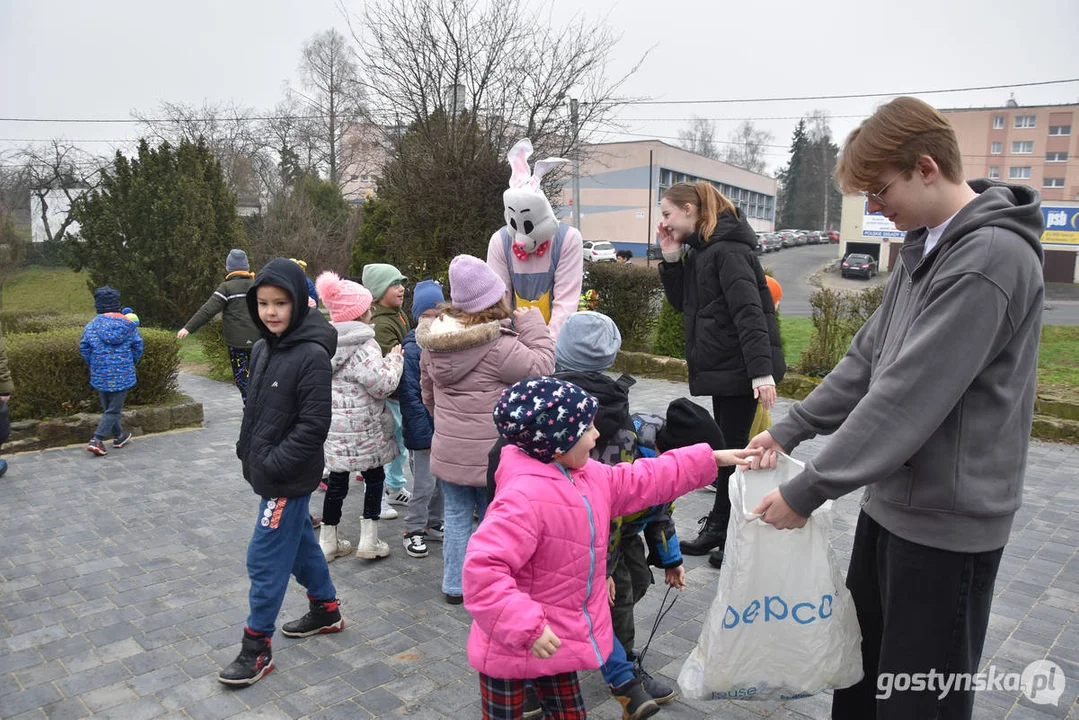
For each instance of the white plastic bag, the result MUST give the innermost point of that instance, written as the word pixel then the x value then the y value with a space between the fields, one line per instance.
pixel 783 623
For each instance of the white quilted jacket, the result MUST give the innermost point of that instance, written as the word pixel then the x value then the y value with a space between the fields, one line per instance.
pixel 361 431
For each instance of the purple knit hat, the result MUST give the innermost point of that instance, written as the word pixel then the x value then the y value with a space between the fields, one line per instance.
pixel 544 416
pixel 474 286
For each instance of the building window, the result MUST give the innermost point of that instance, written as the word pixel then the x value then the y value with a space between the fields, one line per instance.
pixel 996 148
pixel 1056 157
pixel 1022 147
pixel 994 173
pixel 1060 129
pixel 998 122
pixel 665 177
pixel 1024 121
pixel 1053 182
pixel 1019 173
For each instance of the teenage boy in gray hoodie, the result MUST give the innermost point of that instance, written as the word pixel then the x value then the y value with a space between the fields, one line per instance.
pixel 930 411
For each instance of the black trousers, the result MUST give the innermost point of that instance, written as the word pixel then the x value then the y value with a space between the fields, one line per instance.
pixel 632 578
pixel 734 415
pixel 337 491
pixel 921 609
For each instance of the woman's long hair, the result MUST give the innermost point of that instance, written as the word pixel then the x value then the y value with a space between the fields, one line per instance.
pixel 710 203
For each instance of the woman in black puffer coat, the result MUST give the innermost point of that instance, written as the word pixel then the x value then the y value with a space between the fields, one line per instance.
pixel 711 274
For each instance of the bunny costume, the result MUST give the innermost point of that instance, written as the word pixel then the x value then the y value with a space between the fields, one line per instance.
pixel 540 259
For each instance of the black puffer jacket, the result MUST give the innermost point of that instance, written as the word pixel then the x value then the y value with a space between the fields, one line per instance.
pixel 730 319
pixel 288 399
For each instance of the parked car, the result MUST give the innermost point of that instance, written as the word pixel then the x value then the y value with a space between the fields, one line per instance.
pixel 772 242
pixel 800 238
pixel 655 252
pixel 599 251
pixel 786 238
pixel 859 265
pixel 816 237
pixel 833 237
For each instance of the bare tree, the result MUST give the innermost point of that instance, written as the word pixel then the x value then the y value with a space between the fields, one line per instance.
pixel 333 96
pixel 54 176
pixel 747 147
pixel 503 67
pixel 230 132
pixel 700 138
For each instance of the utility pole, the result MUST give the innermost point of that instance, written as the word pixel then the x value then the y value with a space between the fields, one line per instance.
pixel 576 164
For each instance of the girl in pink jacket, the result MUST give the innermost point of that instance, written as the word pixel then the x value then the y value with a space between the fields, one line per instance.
pixel 534 571
pixel 468 358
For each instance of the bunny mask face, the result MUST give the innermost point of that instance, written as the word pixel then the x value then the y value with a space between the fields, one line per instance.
pixel 528 213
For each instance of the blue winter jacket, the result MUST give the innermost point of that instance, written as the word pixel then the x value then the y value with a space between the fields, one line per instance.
pixel 111 345
pixel 417 425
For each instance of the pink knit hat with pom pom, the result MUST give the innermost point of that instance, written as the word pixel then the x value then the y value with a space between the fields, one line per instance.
pixel 344 299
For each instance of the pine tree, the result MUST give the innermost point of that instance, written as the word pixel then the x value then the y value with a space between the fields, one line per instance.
pixel 158 229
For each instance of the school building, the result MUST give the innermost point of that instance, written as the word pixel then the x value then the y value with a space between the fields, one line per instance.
pixel 623 182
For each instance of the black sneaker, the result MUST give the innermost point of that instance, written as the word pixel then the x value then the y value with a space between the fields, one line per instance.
pixel 122 440
pixel 253 663
pixel 414 545
pixel 323 617
pixel 659 690
pixel 454 599
pixel 532 707
pixel 635 701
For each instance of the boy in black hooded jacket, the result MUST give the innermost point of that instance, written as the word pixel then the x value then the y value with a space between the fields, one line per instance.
pixel 285 422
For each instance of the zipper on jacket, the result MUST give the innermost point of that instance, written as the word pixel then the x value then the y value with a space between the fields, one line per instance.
pixel 591 565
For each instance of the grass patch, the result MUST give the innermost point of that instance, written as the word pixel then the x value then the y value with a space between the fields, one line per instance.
pixel 795 332
pixel 47 288
pixel 1058 361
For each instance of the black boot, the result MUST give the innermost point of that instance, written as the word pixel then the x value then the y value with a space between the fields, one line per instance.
pixel 713 534
pixel 254 661
pixel 323 617
pixel 660 691
pixel 635 701
pixel 532 707
pixel 715 558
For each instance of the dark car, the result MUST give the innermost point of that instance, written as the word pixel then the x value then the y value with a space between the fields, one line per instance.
pixel 655 252
pixel 858 265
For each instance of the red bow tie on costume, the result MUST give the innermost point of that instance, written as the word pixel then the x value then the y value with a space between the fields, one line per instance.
pixel 538 252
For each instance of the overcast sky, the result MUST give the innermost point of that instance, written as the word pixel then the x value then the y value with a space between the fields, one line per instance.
pixel 104 59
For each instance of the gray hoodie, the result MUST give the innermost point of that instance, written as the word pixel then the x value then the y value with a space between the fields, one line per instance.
pixel 932 405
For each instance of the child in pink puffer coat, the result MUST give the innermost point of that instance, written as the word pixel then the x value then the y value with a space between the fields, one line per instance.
pixel 469 356
pixel 534 571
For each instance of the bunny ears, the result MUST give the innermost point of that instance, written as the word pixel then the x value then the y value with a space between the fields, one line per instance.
pixel 522 177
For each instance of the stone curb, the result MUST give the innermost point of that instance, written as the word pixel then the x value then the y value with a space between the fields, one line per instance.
pixel 29 435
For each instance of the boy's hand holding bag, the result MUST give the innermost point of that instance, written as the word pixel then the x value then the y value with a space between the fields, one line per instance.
pixel 783 623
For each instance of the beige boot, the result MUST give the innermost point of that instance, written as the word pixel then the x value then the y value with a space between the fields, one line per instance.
pixel 332 545
pixel 370 547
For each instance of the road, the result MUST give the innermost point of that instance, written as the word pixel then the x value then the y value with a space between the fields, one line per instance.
pixel 793 266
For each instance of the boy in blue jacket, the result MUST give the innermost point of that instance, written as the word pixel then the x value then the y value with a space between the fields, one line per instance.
pixel 111 345
pixel 286 419
pixel 423 521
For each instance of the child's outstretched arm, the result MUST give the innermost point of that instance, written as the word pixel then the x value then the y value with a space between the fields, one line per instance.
pixel 499 548
pixel 651 481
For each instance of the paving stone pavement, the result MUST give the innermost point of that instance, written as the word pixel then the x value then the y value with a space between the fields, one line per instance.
pixel 124 592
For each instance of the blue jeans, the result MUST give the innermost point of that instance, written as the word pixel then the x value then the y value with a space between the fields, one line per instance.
pixel 460 502
pixel 284 544
pixel 113 404
pixel 617 670
pixel 395 471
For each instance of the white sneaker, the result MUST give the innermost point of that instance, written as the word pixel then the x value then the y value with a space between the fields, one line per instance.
pixel 415 546
pixel 398 497
pixel 387 512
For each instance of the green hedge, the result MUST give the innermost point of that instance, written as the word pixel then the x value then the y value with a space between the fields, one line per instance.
pixel 629 295
pixel 52 380
pixel 837 317
pixel 36 321
pixel 211 337
pixel 671 332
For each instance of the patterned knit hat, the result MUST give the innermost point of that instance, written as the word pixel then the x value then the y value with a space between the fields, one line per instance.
pixel 474 286
pixel 544 416
pixel 343 298
pixel 107 299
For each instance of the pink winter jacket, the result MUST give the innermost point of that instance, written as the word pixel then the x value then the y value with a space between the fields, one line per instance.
pixel 539 556
pixel 463 371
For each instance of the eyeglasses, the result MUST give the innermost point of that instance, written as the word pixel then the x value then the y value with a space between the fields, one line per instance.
pixel 398 283
pixel 876 196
